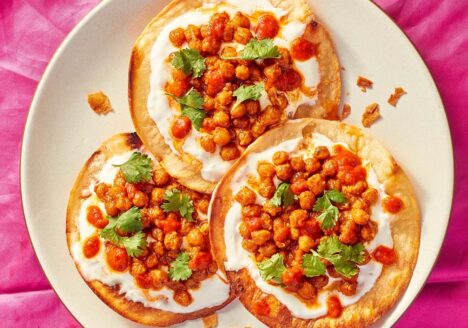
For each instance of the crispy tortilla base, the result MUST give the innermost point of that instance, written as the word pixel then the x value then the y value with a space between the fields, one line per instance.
pixel 405 227
pixel 186 168
pixel 135 311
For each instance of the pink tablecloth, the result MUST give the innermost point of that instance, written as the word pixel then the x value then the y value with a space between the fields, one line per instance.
pixel 30 32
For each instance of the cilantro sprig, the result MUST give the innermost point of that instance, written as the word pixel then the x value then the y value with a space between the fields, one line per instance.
pixel 191 106
pixel 272 268
pixel 344 258
pixel 324 204
pixel 258 49
pixel 128 222
pixel 138 168
pixel 283 195
pixel 177 201
pixel 180 269
pixel 243 93
pixel 189 61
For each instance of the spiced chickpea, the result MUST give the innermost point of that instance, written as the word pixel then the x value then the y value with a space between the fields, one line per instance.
pixel 192 32
pixel 272 72
pixel 368 231
pixel 221 136
pixel 221 118
pixel 297 163
pixel 177 37
pixel 305 243
pixel 229 152
pixel 228 33
pixel 257 129
pixel 360 216
pixel 284 172
pixel 266 170
pixel 238 111
pixel 348 288
pixel 111 208
pixel 270 115
pixel 240 20
pixel 210 45
pixel 227 69
pixel 195 237
pixel 307 200
pixel 251 211
pixel 195 44
pixel 208 103
pixel 329 168
pixel 157 196
pixel 172 241
pixel 244 137
pixel 246 196
pixel 160 176
pixel 182 297
pixel 123 203
pixel 252 107
pixel 297 218
pixel 260 237
pixel 268 250
pixel 140 199
pixel 321 153
pixel 272 210
pixel 242 72
pixel 312 165
pixel 208 124
pixel 207 143
pixel 228 52
pixel 202 205
pixel 242 35
pixel 241 122
pixel 348 232
pixel 280 157
pixel 316 184
pixel 205 30
pixel 370 196
pixel 266 188
pixel 307 291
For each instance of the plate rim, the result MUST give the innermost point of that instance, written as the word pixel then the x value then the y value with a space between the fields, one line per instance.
pixel 101 6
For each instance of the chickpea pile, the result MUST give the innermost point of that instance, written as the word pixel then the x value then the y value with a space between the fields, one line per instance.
pixel 294 230
pixel 232 127
pixel 171 234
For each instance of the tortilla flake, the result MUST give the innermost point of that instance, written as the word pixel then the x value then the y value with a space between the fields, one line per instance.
pixel 364 83
pixel 346 111
pixel 395 96
pixel 370 115
pixel 99 103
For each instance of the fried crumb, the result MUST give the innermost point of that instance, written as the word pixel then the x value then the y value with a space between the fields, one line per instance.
pixel 395 96
pixel 370 115
pixel 364 83
pixel 99 103
pixel 346 110
pixel 210 321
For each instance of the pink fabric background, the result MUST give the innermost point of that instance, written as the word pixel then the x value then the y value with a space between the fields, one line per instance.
pixel 31 31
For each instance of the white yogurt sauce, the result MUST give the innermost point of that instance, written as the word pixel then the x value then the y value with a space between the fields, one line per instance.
pixel 212 292
pixel 158 106
pixel 239 258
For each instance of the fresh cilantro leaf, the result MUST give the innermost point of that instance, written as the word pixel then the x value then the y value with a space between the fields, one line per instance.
pixel 328 217
pixel 195 115
pixel 312 265
pixel 283 195
pixel 244 93
pixel 109 232
pixel 176 201
pixel 273 268
pixel 179 269
pixel 191 106
pixel 189 61
pixel 129 221
pixel 134 245
pixel 260 49
pixel 335 196
pixel 343 257
pixel 137 169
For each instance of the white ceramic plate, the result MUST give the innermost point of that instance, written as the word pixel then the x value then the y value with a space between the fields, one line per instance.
pixel 62 132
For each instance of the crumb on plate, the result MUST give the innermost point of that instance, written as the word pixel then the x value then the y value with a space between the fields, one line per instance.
pixel 364 83
pixel 345 111
pixel 370 115
pixel 395 96
pixel 210 321
pixel 99 103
